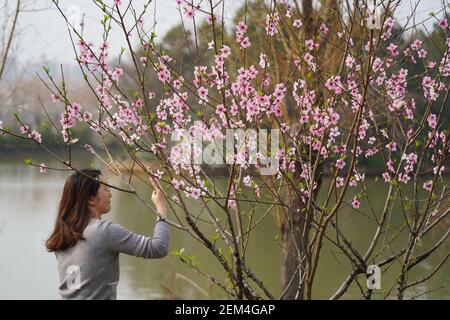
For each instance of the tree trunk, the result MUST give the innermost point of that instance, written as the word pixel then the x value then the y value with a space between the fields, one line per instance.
pixel 295 235
pixel 293 254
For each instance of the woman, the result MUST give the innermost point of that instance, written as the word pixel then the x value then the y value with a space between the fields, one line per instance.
pixel 87 248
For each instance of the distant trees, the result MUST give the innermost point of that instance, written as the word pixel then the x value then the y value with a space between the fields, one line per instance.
pixel 339 85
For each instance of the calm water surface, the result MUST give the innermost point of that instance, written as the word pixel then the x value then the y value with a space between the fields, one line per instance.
pixel 28 204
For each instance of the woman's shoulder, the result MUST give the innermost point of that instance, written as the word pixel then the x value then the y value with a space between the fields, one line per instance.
pixel 103 227
pixel 96 227
pixel 95 223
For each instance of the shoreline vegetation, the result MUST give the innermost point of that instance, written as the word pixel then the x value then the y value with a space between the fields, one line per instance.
pixel 22 152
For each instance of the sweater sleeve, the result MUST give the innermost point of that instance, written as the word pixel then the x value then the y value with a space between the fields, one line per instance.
pixel 119 239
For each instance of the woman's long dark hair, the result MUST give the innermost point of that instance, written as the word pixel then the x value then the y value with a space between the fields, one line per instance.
pixel 73 212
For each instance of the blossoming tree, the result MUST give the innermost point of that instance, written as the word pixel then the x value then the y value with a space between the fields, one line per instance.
pixel 340 83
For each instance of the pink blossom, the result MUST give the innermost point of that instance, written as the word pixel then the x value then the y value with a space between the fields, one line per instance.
pixel 24 129
pixel 416 44
pixel 339 182
pixel 391 146
pixel 189 11
pixel 203 93
pixel 67 120
pixel 292 166
pixel 272 24
pixel 392 48
pixel 356 203
pixel 422 53
pixel 36 136
pixel 86 54
pixel 443 24
pixel 241 27
pixel 117 2
pixel 324 28
pixel 411 158
pixel 263 61
pixel 404 178
pixel 431 64
pixel 210 19
pixel 225 51
pixel 297 23
pixel 234 109
pixel 428 86
pixel 177 84
pixel 55 98
pixel 247 181
pixel 241 39
pixel 257 191
pixel 117 73
pixel 245 43
pixel 42 168
pixel 387 27
pixel 177 183
pixel 334 84
pixel 349 61
pixel 164 75
pixel 311 45
pixel 289 12
pixel 435 170
pixel 428 185
pixel 432 120
pixel 390 166
pixel 139 103
pixel 158 174
pixel 220 109
pixel 193 192
pixel 340 164
pixel 87 116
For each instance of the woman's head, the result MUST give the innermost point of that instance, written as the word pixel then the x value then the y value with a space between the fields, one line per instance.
pixel 83 196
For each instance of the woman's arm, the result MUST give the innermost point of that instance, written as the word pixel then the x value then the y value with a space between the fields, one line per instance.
pixel 122 240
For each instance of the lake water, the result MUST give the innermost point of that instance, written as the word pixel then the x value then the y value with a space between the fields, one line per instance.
pixel 28 204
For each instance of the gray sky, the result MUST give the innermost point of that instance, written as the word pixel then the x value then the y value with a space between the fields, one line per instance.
pixel 44 36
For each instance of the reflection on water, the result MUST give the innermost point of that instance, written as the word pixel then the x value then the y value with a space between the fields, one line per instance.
pixel 28 203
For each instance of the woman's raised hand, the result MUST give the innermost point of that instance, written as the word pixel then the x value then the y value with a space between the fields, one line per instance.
pixel 158 198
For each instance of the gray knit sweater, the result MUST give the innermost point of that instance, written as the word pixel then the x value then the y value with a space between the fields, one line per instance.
pixel 90 269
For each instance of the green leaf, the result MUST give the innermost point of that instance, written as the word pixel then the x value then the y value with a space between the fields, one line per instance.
pixel 175 253
pixel 417 144
pixel 27 161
